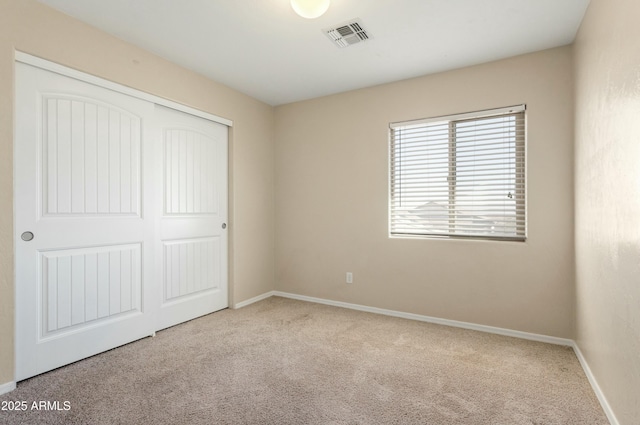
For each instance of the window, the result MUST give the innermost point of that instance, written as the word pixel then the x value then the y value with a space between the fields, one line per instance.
pixel 459 176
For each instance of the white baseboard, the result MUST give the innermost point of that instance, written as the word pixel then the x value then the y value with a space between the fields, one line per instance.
pixel 253 300
pixel 594 384
pixel 429 319
pixel 7 388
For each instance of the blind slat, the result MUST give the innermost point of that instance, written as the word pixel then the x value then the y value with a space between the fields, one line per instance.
pixel 476 134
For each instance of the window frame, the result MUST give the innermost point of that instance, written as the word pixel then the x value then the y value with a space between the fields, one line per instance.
pixel 519 174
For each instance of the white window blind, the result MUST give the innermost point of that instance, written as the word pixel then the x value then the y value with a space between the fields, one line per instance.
pixel 460 176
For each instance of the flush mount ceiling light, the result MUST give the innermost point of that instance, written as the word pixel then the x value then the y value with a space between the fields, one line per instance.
pixel 310 9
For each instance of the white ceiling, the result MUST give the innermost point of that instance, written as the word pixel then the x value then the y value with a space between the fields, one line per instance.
pixel 262 48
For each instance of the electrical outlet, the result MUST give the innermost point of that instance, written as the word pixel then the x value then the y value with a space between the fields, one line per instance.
pixel 349 277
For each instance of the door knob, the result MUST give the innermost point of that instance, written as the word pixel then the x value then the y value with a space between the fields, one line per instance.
pixel 224 225
pixel 27 236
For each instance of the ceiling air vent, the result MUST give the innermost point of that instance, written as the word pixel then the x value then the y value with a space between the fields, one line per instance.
pixel 348 33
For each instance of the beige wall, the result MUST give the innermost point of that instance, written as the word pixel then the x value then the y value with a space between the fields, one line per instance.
pixel 332 200
pixel 607 70
pixel 27 26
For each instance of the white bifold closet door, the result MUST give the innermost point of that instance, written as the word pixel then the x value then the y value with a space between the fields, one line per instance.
pixel 118 219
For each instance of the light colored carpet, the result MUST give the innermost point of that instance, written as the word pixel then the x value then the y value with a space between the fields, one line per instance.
pixel 281 361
